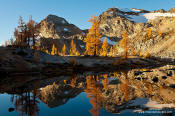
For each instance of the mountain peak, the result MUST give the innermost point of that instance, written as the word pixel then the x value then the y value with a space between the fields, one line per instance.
pixel 55 19
pixel 57 27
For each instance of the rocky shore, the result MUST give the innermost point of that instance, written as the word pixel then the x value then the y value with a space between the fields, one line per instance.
pixel 16 61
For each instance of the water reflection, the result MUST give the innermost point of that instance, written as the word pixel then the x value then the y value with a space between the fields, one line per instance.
pixel 25 102
pixel 135 90
pixel 94 93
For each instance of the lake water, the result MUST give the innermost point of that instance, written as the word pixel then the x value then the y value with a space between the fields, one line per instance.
pixel 133 92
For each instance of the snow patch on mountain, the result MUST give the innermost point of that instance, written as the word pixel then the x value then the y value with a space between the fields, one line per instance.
pixel 139 17
pixel 126 10
pixel 135 10
pixel 109 41
pixel 144 17
pixel 152 16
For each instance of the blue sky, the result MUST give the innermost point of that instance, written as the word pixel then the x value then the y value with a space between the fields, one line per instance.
pixel 74 11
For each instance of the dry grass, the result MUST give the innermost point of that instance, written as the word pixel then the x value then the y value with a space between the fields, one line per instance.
pixel 73 61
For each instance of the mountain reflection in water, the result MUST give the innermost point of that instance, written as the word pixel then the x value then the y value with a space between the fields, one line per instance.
pixel 120 92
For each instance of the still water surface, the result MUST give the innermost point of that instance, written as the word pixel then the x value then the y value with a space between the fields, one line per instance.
pixel 134 92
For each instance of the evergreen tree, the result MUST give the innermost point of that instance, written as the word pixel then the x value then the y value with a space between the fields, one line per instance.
pixel 92 39
pixel 105 82
pixel 64 50
pixel 105 47
pixel 124 44
pixel 19 33
pixel 32 30
pixel 54 50
pixel 73 49
pixel 24 32
pixel 47 51
pixel 111 51
pixel 149 33
pixel 16 33
pixel 115 50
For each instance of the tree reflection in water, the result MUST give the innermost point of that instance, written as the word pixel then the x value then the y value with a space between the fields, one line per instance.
pixel 73 81
pixel 94 93
pixel 105 81
pixel 124 86
pixel 26 102
pixel 114 92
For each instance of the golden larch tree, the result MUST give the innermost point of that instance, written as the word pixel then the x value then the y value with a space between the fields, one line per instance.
pixel 115 50
pixel 32 30
pixel 124 43
pixel 105 81
pixel 149 33
pixel 54 50
pixel 105 46
pixel 47 52
pixel 73 82
pixel 64 50
pixel 111 51
pixel 73 49
pixel 93 37
pixel 94 93
pixel 125 87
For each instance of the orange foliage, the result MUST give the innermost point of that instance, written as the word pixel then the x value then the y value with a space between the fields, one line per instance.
pixel 92 39
pixel 105 82
pixel 94 93
pixel 73 49
pixel 149 33
pixel 65 81
pixel 54 50
pixel 105 46
pixel 124 44
pixel 47 52
pixel 64 50
pixel 150 89
pixel 125 88
pixel 73 82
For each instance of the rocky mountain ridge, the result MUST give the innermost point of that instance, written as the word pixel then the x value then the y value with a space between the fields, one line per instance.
pixel 113 22
pixel 57 28
pixel 172 10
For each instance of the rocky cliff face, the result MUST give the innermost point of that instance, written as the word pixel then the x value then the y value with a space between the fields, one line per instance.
pixel 172 10
pixel 57 28
pixel 57 94
pixel 113 22
pixel 137 23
